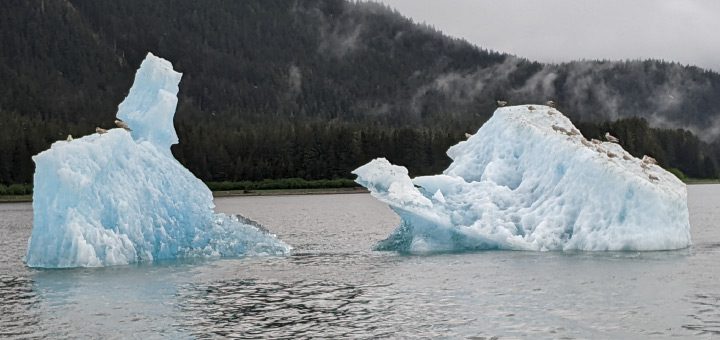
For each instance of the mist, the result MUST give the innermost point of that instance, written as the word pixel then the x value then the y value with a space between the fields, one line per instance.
pixel 566 30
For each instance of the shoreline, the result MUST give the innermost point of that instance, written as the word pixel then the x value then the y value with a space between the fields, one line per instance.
pixel 289 192
pixel 15 198
pixel 701 181
pixel 235 193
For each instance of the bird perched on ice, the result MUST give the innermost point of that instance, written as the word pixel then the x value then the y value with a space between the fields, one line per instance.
pixel 648 160
pixel 69 138
pixel 550 103
pixel 653 177
pixel 531 108
pixel 610 138
pixel 467 135
pixel 100 130
pixel 501 103
pixel 122 124
pixel 560 129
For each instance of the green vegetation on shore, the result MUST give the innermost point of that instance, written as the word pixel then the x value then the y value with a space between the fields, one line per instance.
pixel 282 184
pixel 15 189
pixel 232 193
pixel 280 192
pixel 691 181
pixel 15 198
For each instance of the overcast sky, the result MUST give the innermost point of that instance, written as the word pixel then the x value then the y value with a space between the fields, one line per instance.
pixel 687 31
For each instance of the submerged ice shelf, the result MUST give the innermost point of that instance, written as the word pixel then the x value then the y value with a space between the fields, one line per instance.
pixel 121 197
pixel 528 180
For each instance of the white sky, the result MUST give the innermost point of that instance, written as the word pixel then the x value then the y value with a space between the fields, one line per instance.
pixel 687 31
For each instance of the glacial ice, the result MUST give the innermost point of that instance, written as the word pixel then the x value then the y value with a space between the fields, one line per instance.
pixel 121 197
pixel 527 180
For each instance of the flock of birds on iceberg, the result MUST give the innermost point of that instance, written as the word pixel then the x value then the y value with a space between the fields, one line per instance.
pixel 529 180
pixel 646 161
pixel 118 122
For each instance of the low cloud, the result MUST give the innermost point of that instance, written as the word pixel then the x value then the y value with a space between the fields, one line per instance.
pixel 294 80
pixel 662 93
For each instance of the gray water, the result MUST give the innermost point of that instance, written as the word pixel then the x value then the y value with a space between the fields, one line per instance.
pixel 335 286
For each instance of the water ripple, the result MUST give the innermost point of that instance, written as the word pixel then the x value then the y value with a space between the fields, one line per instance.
pixel 18 301
pixel 302 309
pixel 706 318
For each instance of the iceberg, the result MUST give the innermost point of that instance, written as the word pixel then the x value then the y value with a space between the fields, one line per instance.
pixel 529 180
pixel 121 197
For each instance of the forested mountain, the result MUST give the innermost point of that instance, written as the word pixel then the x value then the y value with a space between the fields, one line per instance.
pixel 313 89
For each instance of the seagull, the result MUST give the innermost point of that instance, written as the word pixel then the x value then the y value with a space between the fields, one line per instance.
pixel 531 108
pixel 501 103
pixel 69 139
pixel 100 130
pixel 585 142
pixel 595 141
pixel 559 128
pixel 573 132
pixel 122 124
pixel 648 160
pixel 653 177
pixel 611 154
pixel 550 103
pixel 610 138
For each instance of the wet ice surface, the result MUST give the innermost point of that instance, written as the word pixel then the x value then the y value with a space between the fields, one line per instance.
pixel 120 197
pixel 335 286
pixel 529 180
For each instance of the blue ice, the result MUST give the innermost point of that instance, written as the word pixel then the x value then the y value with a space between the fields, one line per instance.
pixel 121 197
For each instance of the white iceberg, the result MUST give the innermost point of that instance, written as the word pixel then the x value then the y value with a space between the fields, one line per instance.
pixel 528 180
pixel 121 197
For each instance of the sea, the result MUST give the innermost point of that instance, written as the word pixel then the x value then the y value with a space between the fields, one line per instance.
pixel 334 285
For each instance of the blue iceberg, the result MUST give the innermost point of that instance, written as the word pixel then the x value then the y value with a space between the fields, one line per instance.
pixel 121 197
pixel 528 180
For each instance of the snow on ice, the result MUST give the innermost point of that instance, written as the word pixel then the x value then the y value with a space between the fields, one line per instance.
pixel 528 180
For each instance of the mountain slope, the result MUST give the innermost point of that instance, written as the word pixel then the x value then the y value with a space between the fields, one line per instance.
pixel 262 79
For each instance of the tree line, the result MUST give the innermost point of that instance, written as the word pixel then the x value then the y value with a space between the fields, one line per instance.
pixel 332 149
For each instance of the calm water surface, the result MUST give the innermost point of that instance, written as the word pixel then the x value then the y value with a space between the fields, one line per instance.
pixel 335 286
